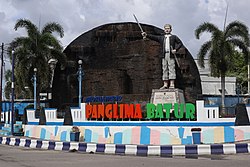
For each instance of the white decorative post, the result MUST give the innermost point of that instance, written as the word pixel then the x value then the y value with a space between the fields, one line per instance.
pixel 34 77
pixel 80 73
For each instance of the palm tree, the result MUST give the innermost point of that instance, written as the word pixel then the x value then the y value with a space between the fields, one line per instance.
pixel 221 48
pixel 7 88
pixel 34 51
pixel 19 92
pixel 240 70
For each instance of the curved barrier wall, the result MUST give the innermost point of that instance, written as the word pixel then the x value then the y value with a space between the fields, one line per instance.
pixel 138 150
pixel 143 135
pixel 213 129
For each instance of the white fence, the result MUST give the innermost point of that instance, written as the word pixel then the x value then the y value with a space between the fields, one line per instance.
pixel 203 113
pixel 209 113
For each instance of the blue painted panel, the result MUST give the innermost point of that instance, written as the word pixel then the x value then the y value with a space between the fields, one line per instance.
pixel 56 130
pixel 118 138
pixel 55 123
pixel 145 135
pixel 228 134
pixel 27 133
pixel 88 135
pixel 63 136
pixel 181 132
pixel 187 140
pixel 152 123
pixel 33 123
pixel 43 133
pixel 106 131
pixel 143 123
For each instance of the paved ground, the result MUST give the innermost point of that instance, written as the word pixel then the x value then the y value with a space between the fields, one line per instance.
pixel 139 150
pixel 11 156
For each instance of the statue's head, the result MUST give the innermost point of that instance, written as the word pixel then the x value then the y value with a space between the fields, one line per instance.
pixel 167 28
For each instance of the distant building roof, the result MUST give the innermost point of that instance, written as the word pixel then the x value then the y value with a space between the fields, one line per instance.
pixel 212 85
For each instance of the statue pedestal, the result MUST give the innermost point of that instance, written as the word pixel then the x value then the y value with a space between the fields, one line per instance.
pixel 161 96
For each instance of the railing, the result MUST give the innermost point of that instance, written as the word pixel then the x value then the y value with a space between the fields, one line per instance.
pixel 227 112
pixel 204 113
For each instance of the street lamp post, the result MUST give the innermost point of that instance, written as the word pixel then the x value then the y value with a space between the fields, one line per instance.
pixel 12 92
pixel 52 65
pixel 34 78
pixel 248 76
pixel 238 91
pixel 80 73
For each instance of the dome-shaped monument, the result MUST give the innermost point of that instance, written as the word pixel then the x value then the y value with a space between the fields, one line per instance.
pixel 118 61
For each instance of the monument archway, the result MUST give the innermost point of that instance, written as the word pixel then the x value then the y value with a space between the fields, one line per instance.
pixel 117 61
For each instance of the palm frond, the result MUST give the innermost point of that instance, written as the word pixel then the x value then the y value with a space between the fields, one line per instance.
pixel 214 63
pixel 53 27
pixel 238 35
pixel 236 25
pixel 7 75
pixel 28 25
pixel 60 56
pixel 237 29
pixel 205 27
pixel 202 53
pixel 241 45
pixel 50 41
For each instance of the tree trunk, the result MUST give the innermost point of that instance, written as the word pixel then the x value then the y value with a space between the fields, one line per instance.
pixel 38 95
pixel 248 76
pixel 223 111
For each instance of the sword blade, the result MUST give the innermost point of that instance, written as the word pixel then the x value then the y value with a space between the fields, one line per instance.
pixel 138 23
pixel 177 62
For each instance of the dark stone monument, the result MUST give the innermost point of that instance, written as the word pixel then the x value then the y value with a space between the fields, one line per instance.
pixel 25 119
pixel 68 117
pixel 42 117
pixel 241 115
pixel 117 61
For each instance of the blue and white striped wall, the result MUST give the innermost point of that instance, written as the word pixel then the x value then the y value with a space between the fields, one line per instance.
pixel 138 150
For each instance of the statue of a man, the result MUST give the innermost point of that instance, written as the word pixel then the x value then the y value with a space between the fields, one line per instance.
pixel 170 45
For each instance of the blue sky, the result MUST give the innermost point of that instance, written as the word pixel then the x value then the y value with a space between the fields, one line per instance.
pixel 79 16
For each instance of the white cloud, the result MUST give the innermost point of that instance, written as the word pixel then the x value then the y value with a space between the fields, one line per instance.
pixel 79 16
